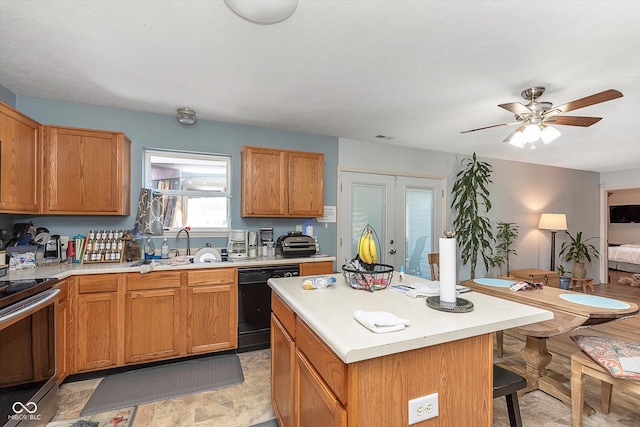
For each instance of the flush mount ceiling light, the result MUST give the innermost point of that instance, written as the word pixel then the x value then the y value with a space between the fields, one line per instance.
pixel 186 116
pixel 263 11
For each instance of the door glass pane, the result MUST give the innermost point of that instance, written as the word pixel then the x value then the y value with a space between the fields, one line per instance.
pixel 419 209
pixel 367 207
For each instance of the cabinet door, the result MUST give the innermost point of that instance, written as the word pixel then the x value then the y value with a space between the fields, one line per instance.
pixel 264 182
pixel 152 324
pixel 212 323
pixel 62 331
pixel 282 362
pixel 87 172
pixel 316 268
pixel 212 310
pixel 96 331
pixel 306 184
pixel 20 162
pixel 315 405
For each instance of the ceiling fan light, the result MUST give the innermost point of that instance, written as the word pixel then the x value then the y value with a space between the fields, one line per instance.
pixel 531 132
pixel 518 140
pixel 263 11
pixel 549 134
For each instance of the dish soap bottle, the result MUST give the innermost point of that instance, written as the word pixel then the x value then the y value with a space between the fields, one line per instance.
pixel 149 249
pixel 164 250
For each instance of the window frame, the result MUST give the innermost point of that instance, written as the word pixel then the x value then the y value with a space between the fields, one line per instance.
pixel 148 152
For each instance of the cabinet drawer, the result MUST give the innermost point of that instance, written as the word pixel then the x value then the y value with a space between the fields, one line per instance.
pixel 330 368
pixel 212 276
pixel 316 268
pixel 155 280
pixel 284 314
pixel 97 283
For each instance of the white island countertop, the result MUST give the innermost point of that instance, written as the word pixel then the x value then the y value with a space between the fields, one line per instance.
pixel 329 313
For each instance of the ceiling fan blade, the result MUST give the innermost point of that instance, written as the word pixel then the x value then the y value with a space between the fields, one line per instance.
pixel 516 108
pixel 489 127
pixel 518 129
pixel 607 95
pixel 573 120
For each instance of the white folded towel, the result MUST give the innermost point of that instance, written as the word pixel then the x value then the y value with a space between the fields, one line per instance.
pixel 380 321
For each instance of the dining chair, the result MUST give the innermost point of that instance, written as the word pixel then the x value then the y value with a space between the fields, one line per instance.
pixel 434 265
pixel 414 261
pixel 582 365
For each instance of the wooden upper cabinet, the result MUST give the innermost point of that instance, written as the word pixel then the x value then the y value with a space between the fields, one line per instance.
pixel 20 162
pixel 87 172
pixel 282 183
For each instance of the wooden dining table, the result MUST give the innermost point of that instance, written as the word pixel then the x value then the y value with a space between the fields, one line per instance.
pixel 571 310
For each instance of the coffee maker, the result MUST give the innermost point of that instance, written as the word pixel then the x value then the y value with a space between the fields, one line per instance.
pixel 52 248
pixel 238 244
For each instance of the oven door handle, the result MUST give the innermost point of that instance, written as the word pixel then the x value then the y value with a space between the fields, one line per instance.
pixel 29 306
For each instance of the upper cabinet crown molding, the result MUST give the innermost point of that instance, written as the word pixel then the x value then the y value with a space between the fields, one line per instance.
pixel 282 183
pixel 87 172
pixel 20 162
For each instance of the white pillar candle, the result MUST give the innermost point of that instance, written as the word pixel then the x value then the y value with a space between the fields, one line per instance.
pixel 448 270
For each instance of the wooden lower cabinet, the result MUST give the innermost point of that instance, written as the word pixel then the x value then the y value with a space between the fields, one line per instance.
pixel 315 404
pixel 212 310
pixel 282 364
pixel 96 332
pixel 62 331
pixel 128 318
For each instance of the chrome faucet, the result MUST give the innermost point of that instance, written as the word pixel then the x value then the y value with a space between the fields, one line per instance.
pixel 188 240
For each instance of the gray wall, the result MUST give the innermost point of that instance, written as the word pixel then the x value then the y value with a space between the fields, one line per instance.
pixel 520 193
pixel 163 131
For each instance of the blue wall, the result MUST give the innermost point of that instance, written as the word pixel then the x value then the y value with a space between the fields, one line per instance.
pixel 163 131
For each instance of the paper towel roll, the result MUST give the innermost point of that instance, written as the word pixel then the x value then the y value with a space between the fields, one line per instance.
pixel 309 230
pixel 448 270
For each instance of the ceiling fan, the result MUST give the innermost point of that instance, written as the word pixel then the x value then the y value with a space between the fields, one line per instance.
pixel 535 117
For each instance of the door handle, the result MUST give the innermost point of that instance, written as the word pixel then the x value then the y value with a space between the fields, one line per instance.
pixel 392 251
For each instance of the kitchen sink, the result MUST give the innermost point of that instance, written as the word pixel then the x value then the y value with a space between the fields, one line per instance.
pixel 158 261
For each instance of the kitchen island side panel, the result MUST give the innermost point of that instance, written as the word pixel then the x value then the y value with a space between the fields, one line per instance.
pixel 461 372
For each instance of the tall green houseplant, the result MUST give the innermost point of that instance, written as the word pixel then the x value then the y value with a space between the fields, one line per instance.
pixel 471 201
pixel 506 235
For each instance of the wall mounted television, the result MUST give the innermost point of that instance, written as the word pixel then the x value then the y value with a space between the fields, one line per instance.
pixel 624 214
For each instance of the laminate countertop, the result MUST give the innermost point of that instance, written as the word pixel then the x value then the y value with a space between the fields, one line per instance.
pixel 63 270
pixel 329 313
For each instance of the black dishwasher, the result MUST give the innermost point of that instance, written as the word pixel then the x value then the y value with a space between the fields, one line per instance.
pixel 254 304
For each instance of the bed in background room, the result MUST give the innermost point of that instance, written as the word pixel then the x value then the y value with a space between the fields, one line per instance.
pixel 625 258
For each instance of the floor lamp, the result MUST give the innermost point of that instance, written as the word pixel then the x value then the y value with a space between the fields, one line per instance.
pixel 553 222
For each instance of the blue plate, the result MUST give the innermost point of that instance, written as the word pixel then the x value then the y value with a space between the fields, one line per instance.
pixel 488 281
pixel 594 301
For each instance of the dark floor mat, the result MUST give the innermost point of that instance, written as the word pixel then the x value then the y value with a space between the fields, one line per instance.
pixel 164 382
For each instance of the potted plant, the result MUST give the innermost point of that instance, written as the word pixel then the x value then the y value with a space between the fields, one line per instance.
pixel 565 281
pixel 579 251
pixel 470 201
pixel 506 235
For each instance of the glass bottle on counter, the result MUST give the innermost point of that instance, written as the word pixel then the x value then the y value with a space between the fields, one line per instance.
pixel 149 249
pixel 164 250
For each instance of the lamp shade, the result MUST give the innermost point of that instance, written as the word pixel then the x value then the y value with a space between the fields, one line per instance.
pixel 553 221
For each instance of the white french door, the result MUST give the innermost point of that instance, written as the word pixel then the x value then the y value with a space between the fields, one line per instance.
pixel 405 212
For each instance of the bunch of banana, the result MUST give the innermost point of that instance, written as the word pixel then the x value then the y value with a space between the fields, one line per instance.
pixel 367 250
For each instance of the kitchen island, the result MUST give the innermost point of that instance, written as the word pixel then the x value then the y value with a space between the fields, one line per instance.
pixel 329 370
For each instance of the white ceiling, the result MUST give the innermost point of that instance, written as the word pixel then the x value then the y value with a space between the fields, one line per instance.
pixel 419 71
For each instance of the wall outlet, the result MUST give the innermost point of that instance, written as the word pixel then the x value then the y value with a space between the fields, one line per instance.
pixel 299 227
pixel 423 408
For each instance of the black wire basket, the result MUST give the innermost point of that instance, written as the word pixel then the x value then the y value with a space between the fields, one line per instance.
pixel 374 278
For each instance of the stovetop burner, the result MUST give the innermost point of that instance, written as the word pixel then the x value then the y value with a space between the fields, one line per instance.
pixel 12 291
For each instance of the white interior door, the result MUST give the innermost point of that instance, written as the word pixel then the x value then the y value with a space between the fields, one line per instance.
pixel 405 212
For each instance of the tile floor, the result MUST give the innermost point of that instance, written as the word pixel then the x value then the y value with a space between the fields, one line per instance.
pixel 249 403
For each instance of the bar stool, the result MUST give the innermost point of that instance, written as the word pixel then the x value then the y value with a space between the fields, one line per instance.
pixel 507 383
pixel 582 365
